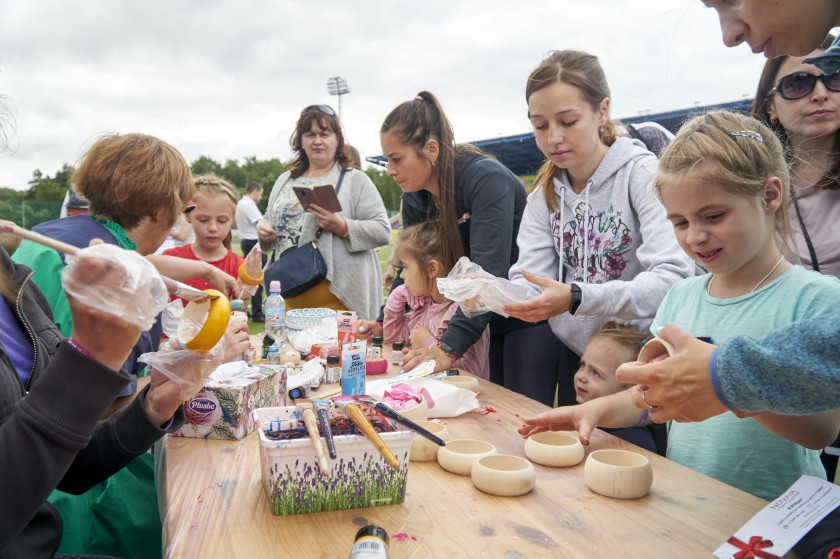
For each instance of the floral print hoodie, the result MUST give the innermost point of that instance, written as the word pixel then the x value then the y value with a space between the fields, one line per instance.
pixel 612 239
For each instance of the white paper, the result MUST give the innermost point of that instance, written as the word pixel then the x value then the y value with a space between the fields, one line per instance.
pixel 776 528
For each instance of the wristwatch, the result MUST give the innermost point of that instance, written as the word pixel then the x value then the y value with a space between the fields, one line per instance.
pixel 576 298
pixel 448 349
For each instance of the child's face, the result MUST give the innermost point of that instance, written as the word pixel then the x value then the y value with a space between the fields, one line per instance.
pixel 415 279
pixel 211 219
pixel 596 376
pixel 793 27
pixel 725 233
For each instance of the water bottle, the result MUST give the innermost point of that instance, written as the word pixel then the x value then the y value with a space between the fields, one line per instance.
pixel 275 313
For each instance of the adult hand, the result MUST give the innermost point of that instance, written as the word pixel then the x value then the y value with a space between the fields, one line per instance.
pixel 327 220
pixel 567 418
pixel 105 337
pixel 367 329
pixel 266 232
pixel 411 359
pixel 166 395
pixel 237 340
pixel 220 280
pixel 556 297
pixel 679 386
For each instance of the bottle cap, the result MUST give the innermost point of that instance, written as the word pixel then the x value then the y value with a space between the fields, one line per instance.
pixel 332 359
pixel 377 340
pixel 274 286
pixel 398 345
pixel 268 339
pixel 374 531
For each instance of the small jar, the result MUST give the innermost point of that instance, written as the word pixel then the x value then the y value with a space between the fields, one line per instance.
pixel 397 354
pixel 375 350
pixel 371 543
pixel 333 373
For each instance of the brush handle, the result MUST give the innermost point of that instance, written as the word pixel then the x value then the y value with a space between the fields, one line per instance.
pixel 324 421
pixel 394 414
pixel 312 428
pixel 358 418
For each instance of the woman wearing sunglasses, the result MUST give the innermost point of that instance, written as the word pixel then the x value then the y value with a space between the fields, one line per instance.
pixel 803 107
pixel 349 237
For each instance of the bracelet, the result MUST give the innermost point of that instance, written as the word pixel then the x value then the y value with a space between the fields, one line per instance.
pixel 643 420
pixel 80 349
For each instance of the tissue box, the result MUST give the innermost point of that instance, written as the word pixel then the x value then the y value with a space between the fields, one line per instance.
pixel 359 476
pixel 222 408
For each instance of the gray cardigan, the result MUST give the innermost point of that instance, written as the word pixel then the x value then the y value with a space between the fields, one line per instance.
pixel 352 266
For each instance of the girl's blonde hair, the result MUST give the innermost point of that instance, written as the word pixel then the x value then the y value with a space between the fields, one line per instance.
pixel 582 71
pixel 211 186
pixel 425 242
pixel 628 338
pixel 733 150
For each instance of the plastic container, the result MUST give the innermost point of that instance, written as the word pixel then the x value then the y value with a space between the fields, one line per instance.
pixel 275 313
pixel 359 476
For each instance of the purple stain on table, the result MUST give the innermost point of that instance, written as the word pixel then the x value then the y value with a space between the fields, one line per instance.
pixel 535 536
pixel 360 521
pixel 487 531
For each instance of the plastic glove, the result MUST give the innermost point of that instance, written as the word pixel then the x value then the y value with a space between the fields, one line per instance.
pixel 116 281
pixel 186 369
pixel 252 267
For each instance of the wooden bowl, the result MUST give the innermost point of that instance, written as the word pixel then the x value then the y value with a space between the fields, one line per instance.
pixel 620 474
pixel 420 412
pixel 459 455
pixel 504 475
pixel 463 381
pixel 550 448
pixel 655 349
pixel 424 450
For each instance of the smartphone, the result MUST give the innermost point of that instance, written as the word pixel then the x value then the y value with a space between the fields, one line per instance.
pixel 323 195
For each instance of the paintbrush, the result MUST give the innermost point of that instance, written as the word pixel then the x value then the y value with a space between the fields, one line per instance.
pixel 308 413
pixel 388 411
pixel 322 407
pixel 354 413
pixel 173 287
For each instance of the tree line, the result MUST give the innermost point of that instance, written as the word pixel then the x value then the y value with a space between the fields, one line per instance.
pixel 42 200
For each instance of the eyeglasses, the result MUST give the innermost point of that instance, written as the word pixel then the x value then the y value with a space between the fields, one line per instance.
pixel 798 85
pixel 326 109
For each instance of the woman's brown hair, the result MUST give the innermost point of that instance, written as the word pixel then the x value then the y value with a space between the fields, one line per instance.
pixel 582 71
pixel 831 179
pixel 127 178
pixel 326 121
pixel 414 123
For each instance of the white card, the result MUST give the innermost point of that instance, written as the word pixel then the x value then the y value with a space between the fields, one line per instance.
pixel 776 528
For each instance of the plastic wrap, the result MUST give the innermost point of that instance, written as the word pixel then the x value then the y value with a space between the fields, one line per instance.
pixel 477 291
pixel 116 281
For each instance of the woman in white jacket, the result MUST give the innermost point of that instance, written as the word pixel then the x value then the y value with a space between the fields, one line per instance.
pixel 594 244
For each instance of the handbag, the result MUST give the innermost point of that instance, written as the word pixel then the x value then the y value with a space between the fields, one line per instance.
pixel 300 268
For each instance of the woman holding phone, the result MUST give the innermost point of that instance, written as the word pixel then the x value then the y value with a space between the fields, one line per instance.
pixel 349 237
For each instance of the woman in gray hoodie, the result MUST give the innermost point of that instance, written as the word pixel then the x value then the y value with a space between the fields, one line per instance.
pixel 594 244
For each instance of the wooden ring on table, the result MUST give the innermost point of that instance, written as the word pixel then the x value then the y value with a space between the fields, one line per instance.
pixel 248 280
pixel 213 314
pixel 646 403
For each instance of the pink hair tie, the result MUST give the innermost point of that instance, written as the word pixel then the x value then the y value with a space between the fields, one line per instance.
pixel 419 98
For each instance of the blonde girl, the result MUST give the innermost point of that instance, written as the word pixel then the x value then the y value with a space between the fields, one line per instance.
pixel 725 185
pixel 424 258
pixel 211 220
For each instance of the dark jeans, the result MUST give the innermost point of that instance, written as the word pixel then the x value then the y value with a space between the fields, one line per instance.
pixel 537 364
pixel 256 300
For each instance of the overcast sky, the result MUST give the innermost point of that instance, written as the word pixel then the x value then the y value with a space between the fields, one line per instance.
pixel 228 79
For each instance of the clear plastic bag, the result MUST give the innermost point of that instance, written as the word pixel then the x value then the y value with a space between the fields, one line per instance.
pixel 117 281
pixel 187 369
pixel 477 291
pixel 252 266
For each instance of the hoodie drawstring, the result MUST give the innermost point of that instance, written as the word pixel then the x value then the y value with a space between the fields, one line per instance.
pixel 585 232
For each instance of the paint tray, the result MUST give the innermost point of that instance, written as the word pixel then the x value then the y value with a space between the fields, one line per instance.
pixel 359 476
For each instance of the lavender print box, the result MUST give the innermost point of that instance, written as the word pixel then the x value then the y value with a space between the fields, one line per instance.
pixel 359 476
pixel 222 409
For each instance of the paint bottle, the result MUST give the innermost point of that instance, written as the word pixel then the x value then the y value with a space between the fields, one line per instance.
pixel 333 373
pixel 376 348
pixel 397 354
pixel 371 543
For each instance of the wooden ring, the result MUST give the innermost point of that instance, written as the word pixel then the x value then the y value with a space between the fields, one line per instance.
pixel 213 314
pixel 248 280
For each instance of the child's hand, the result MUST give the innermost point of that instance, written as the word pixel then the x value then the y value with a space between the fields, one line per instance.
pixel 366 329
pixel 567 418
pixel 418 336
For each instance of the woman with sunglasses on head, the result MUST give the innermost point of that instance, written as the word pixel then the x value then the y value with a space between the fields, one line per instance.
pixel 349 237
pixel 802 106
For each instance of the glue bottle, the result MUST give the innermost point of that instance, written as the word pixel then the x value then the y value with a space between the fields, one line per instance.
pixel 371 543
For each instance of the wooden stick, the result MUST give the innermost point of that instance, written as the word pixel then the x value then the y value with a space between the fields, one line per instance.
pixel 356 416
pixel 305 406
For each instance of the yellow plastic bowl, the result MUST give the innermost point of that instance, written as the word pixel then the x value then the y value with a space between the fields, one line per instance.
pixel 212 314
pixel 246 279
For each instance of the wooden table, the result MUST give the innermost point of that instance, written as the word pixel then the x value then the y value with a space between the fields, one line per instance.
pixel 215 505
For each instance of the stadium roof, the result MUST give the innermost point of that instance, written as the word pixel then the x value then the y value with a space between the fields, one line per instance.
pixel 522 156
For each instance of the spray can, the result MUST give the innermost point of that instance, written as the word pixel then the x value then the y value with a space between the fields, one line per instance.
pixel 371 543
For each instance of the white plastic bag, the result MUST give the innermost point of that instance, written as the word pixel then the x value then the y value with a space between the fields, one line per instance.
pixel 478 291
pixel 116 281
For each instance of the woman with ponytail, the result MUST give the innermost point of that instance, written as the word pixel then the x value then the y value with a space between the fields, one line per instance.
pixel 478 201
